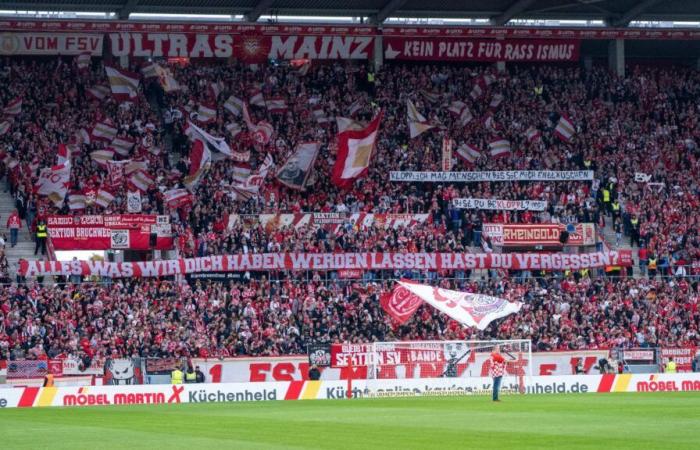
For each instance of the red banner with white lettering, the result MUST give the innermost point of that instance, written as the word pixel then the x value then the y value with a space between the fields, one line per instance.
pixel 329 261
pixel 683 357
pixel 475 49
pixel 50 44
pixel 123 231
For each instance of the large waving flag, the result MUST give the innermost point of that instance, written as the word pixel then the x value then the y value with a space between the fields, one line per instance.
pixel 417 124
pixel 355 149
pixel 472 310
pixel 53 183
pixel 214 143
pixel 565 129
pixel 261 131
pixel 468 153
pixel 250 186
pixel 124 84
pixel 200 161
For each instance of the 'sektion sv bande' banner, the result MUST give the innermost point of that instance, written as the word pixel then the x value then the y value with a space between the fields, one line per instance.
pixel 328 261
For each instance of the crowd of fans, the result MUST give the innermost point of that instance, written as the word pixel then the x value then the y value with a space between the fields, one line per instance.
pixel 638 134
pixel 262 317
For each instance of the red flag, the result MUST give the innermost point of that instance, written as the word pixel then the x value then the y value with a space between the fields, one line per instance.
pixel 400 303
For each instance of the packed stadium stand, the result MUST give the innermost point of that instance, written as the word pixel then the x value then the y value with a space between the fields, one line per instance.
pixel 194 140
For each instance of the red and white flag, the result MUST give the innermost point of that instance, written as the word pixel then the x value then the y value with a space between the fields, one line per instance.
pixel 241 172
pixel 124 84
pixel 123 145
pixel 76 201
pixel 565 129
pixel 355 150
pixel 102 157
pixel 216 88
pixel 234 129
pixel 468 154
pixel 104 197
pixel 134 165
pixel 456 107
pixel 140 181
pixel 177 198
pixel 200 161
pixel 496 101
pixel 477 91
pixel 277 105
pixel 400 303
pixel 98 92
pixel 53 183
pixel 417 124
pixel 499 148
pixel 104 131
pixel 472 310
pixel 115 172
pixel 447 145
pixel 63 154
pixel 320 115
pixel 4 127
pixel 218 144
pixel 206 113
pixel 234 105
pixel 250 187
pixel 261 131
pixel 150 70
pixel 82 61
pixel 13 108
pixel 532 134
pixel 256 98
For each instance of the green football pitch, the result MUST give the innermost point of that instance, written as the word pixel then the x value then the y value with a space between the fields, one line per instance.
pixel 604 421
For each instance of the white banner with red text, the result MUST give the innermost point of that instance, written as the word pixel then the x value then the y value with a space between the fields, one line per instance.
pixel 121 231
pixel 331 221
pixel 328 261
pixel 34 397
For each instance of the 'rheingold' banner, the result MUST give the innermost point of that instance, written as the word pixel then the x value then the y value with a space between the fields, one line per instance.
pixel 476 49
pixel 505 175
pixel 501 205
pixel 328 261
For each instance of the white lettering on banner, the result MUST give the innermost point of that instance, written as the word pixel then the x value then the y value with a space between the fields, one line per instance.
pixel 503 205
pixel 296 368
pixel 260 47
pixel 329 261
pixel 507 175
pixel 271 391
pixel 50 44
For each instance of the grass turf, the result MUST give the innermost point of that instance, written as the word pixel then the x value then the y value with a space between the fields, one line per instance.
pixel 639 421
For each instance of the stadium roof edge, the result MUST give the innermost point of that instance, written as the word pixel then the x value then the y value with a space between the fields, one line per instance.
pixel 614 12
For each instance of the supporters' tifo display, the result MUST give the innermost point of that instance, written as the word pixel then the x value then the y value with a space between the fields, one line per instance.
pixel 267 192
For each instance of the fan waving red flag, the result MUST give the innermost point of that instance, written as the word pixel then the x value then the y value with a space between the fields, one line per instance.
pixel 355 149
pixel 400 303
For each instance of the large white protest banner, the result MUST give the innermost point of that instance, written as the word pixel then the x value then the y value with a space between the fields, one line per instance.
pixel 506 175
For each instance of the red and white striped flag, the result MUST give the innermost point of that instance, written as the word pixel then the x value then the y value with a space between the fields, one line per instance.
pixel 124 84
pixel 499 148
pixel 233 128
pixel 320 115
pixel 4 127
pixel 256 98
pixel 83 61
pixel 565 129
pixel 234 105
pixel 104 131
pixel 206 112
pixel 135 165
pixel 76 200
pixel 13 108
pixel 496 101
pixel 122 145
pixel 104 197
pixel 277 105
pixel 465 117
pixel 532 134
pixel 98 92
pixel 82 136
pixel 456 107
pixel 468 153
pixel 177 198
pixel 241 172
pixel 102 157
pixel 140 181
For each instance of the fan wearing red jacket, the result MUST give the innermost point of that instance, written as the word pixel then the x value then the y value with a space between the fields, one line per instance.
pixel 497 369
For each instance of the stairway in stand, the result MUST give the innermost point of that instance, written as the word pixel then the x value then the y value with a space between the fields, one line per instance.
pixel 25 242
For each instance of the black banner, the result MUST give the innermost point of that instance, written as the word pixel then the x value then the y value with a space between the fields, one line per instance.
pixel 319 354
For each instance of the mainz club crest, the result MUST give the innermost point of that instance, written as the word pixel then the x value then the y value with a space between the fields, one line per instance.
pixel 253 48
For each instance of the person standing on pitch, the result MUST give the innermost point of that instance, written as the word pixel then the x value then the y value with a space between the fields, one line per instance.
pixel 497 368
